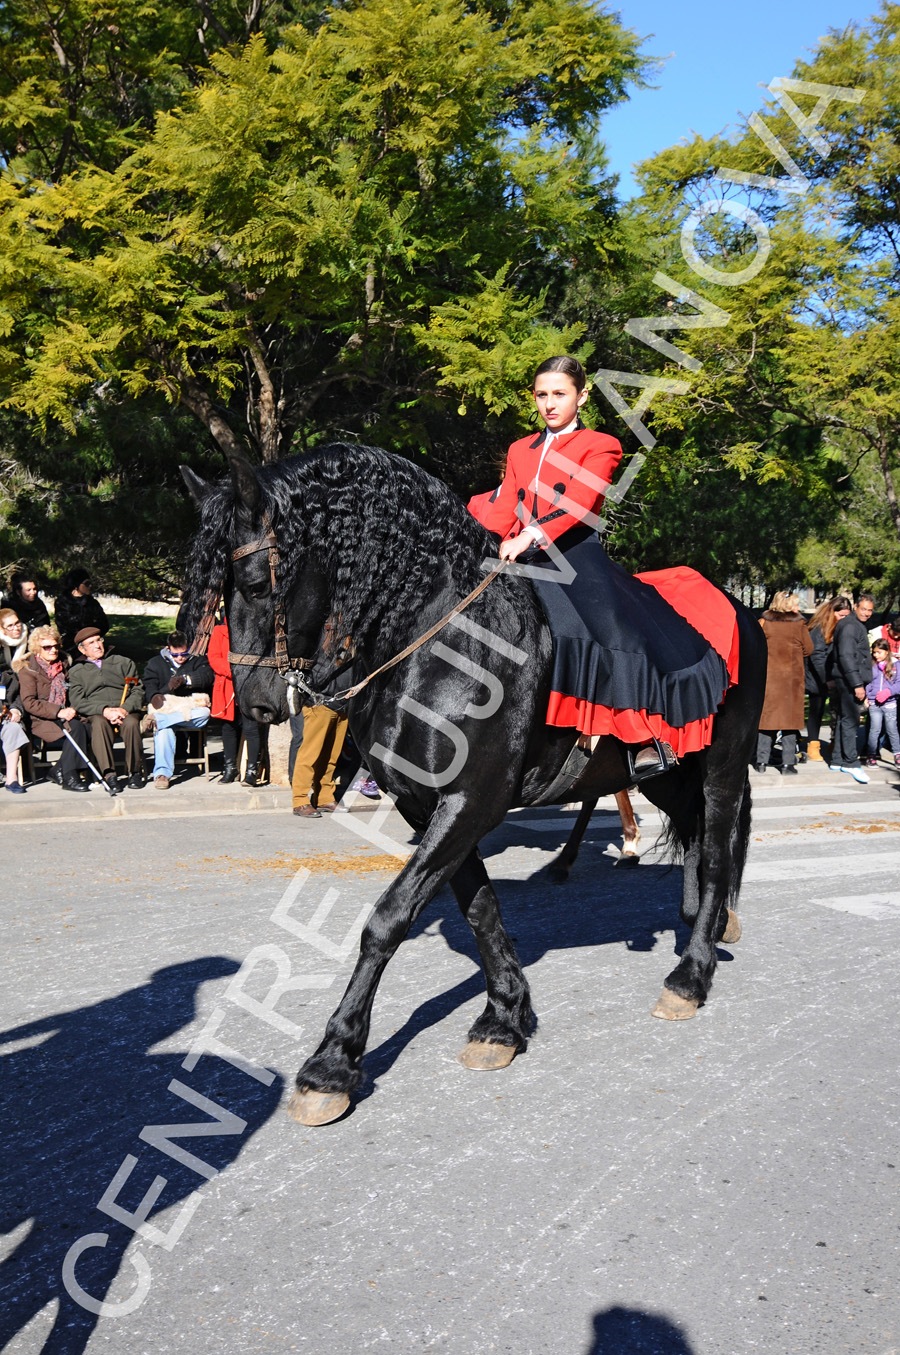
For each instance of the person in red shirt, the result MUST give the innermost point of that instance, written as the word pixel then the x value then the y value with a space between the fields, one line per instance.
pixel 225 708
pixel 891 633
pixel 645 658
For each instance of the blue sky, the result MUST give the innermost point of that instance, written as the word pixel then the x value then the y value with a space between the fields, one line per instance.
pixel 722 52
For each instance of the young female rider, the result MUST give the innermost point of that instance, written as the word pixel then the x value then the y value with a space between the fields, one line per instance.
pixel 643 658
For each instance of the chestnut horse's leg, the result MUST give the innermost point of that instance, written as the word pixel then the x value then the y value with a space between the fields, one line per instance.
pixel 630 831
pixel 559 869
pixel 502 1027
pixel 326 1079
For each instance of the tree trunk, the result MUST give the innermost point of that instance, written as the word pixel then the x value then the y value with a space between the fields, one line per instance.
pixel 882 447
pixel 268 428
pixel 195 398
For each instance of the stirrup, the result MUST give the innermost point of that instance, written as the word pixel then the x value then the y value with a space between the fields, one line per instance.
pixel 665 761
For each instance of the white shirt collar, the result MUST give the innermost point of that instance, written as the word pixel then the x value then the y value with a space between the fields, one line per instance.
pixel 560 432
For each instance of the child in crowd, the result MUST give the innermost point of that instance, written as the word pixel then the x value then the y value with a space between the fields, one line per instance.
pixel 881 694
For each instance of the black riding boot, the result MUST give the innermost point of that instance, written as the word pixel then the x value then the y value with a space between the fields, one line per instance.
pixel 229 773
pixel 251 774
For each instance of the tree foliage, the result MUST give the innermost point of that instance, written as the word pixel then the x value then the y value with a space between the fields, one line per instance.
pixel 801 388
pixel 344 226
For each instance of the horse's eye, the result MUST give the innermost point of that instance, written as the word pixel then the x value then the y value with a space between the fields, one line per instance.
pixel 256 590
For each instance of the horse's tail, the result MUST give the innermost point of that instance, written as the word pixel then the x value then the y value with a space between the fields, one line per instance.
pixel 741 842
pixel 681 828
pixel 690 824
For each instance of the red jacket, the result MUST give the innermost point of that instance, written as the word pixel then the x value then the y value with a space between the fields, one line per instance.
pixel 575 474
pixel 894 644
pixel 223 707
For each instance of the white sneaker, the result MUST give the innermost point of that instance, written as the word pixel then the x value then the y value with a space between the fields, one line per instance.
pixel 858 774
pixel 835 767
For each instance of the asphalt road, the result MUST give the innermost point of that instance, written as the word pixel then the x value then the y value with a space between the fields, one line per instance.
pixel 627 1187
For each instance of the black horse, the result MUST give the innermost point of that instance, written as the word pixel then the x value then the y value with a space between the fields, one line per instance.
pixel 371 552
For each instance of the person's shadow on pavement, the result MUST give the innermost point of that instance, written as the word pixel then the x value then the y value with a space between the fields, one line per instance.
pixel 72 1108
pixel 629 1331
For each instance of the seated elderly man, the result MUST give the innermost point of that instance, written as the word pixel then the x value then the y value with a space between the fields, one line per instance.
pixel 177 684
pixel 106 690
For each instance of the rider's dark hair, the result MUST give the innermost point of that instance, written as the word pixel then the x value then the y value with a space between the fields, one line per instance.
pixel 563 363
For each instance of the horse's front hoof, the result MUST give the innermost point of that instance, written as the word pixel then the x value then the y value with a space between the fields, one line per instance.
pixel 487 1057
pixel 671 1007
pixel 627 861
pixel 558 874
pixel 733 929
pixel 311 1107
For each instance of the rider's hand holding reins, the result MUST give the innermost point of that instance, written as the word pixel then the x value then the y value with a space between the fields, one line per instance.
pixel 512 548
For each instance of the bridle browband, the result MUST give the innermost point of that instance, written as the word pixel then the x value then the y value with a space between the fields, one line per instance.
pixel 282 660
pixel 292 669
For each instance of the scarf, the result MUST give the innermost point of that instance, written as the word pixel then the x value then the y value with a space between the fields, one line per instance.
pixel 57 675
pixel 16 647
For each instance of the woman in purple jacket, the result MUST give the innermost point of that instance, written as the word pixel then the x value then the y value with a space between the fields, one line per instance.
pixel 881 694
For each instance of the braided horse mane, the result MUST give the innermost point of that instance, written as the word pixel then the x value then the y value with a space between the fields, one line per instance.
pixel 384 529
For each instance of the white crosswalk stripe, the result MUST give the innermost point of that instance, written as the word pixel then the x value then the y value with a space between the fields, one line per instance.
pixel 821 867
pixel 766 813
pixel 875 906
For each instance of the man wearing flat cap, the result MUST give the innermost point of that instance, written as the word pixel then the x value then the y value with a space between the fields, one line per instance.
pixel 106 690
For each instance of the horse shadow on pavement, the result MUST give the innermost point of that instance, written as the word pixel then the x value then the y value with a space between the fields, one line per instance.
pixel 602 907
pixel 629 1331
pixel 72 1108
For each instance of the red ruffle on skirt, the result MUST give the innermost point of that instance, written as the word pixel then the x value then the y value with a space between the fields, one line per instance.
pixel 631 726
pixel 705 608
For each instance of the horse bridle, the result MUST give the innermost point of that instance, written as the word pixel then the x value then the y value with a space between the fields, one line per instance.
pixel 292 669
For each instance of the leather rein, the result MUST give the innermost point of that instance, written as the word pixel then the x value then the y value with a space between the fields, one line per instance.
pixel 292 669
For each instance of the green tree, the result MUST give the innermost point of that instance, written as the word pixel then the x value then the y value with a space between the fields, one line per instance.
pixel 356 226
pixel 803 382
pixel 279 256
pixel 81 81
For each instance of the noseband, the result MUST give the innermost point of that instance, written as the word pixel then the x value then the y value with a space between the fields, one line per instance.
pixel 282 660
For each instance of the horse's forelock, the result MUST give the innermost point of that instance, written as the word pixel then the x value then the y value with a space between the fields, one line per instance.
pixel 209 560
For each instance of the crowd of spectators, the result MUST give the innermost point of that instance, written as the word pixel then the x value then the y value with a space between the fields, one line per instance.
pixel 850 672
pixel 60 684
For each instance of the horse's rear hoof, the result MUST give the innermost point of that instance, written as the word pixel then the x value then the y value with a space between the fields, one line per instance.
pixel 627 861
pixel 487 1057
pixel 312 1107
pixel 733 929
pixel 671 1007
pixel 558 874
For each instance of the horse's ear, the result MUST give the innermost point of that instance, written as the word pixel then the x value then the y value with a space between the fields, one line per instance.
pixel 247 491
pixel 198 489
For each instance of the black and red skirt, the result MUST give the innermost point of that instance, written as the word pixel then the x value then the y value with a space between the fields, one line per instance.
pixel 635 656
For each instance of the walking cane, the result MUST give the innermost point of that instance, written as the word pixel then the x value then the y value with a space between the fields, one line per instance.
pixel 129 682
pixel 84 757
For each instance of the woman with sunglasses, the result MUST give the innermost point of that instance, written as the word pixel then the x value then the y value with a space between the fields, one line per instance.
pixel 43 688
